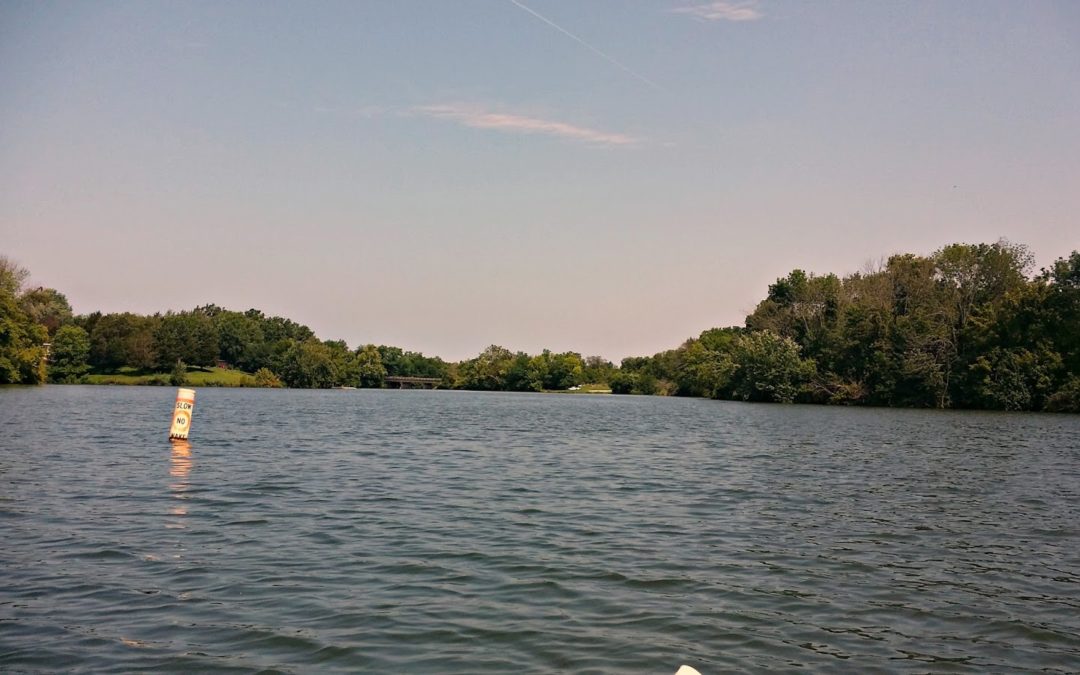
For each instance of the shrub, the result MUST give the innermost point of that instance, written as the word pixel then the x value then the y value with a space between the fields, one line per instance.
pixel 264 377
pixel 178 377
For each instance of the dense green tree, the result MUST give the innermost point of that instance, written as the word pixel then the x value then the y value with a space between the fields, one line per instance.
pixel 800 306
pixel 393 359
pixel 634 382
pixel 768 368
pixel 307 365
pixel 118 340
pixel 69 354
pixel 1067 397
pixel 975 275
pixel 276 328
pixel 418 365
pixel 1013 378
pixel 370 370
pixel 721 340
pixel 924 334
pixel 22 354
pixel 346 367
pixel 858 366
pixel 240 339
pixel 624 382
pixel 520 376
pixel 410 364
pixel 487 372
pixel 186 336
pixel 706 366
pixel 567 370
pixel 47 307
pixel 546 370
pixel 1061 308
pixel 597 370
pixel 634 364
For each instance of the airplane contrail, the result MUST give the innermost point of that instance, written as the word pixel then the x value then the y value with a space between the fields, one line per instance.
pixel 610 59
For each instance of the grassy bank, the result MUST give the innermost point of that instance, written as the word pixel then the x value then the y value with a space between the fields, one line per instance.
pixel 583 389
pixel 196 377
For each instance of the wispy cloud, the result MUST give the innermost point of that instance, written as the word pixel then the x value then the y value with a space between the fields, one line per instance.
pixel 610 59
pixel 479 118
pixel 724 11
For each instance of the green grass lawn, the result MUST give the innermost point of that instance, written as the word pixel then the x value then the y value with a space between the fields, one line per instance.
pixel 220 377
pixel 196 377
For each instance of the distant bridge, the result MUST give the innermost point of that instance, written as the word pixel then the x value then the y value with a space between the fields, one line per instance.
pixel 414 382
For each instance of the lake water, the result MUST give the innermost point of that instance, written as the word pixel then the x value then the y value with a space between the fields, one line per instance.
pixel 415 531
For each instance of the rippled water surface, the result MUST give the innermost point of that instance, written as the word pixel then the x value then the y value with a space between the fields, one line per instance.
pixel 411 531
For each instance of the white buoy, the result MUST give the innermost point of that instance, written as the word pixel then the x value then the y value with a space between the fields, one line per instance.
pixel 181 421
pixel 686 670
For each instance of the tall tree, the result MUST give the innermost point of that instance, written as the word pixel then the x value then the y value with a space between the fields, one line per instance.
pixel 240 339
pixel 46 306
pixel 307 365
pixel 346 368
pixel 768 368
pixel 370 369
pixel 1063 309
pixel 189 337
pixel 118 340
pixel 598 370
pixel 69 354
pixel 22 354
pixel 487 372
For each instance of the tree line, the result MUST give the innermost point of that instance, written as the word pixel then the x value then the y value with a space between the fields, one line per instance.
pixel 968 326
pixel 965 327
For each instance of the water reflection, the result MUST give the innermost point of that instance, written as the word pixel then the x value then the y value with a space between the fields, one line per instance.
pixel 180 470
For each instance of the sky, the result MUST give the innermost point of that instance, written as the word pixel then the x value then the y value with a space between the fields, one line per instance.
pixel 610 177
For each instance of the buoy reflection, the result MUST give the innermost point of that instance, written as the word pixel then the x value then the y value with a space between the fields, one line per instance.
pixel 180 470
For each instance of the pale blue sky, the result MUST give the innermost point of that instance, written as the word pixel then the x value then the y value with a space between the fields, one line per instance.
pixel 609 177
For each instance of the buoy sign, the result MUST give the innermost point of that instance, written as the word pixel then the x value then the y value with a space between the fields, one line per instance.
pixel 181 421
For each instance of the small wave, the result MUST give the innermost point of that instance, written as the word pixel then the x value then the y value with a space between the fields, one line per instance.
pixel 101 554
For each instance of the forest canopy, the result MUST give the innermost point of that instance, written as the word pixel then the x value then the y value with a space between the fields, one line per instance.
pixel 968 326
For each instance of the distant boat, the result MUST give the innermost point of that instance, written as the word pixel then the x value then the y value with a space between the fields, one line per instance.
pixel 343 387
